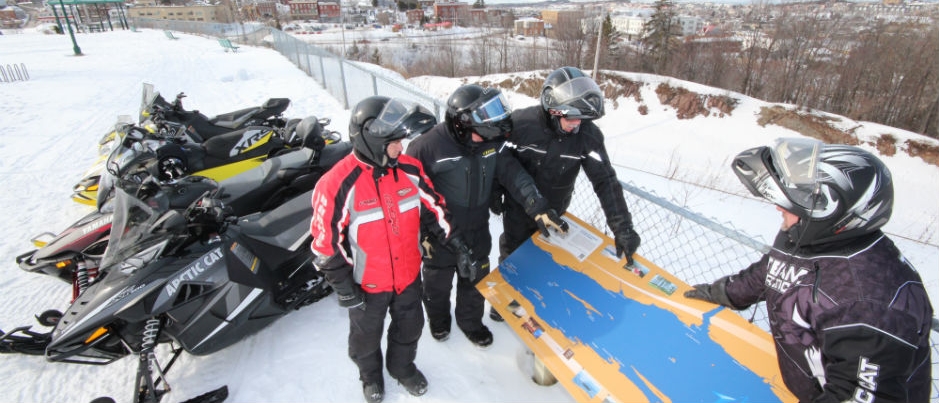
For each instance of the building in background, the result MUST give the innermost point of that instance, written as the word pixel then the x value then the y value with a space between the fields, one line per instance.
pixel 328 11
pixel 220 13
pixel 455 12
pixel 301 10
pixel 529 27
pixel 562 24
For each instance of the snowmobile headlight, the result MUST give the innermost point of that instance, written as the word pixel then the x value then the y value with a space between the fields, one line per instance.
pixel 101 331
pixel 150 126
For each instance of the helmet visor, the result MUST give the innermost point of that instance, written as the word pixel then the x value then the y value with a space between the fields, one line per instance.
pixel 579 98
pixel 796 163
pixel 401 119
pixel 493 110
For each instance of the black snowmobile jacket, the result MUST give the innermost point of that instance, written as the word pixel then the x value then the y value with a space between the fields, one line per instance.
pixel 851 323
pixel 554 160
pixel 465 175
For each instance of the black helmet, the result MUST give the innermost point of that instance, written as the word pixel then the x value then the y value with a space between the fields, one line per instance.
pixel 484 111
pixel 837 191
pixel 568 92
pixel 379 120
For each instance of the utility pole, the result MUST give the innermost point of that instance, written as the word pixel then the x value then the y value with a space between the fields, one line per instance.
pixel 596 53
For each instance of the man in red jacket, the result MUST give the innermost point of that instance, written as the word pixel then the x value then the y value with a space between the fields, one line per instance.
pixel 367 216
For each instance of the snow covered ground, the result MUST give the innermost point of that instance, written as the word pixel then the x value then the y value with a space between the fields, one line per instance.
pixel 48 137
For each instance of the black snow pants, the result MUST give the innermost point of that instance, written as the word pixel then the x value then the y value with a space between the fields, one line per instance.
pixel 365 332
pixel 438 276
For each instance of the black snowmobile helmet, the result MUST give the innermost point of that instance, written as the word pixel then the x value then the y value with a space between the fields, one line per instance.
pixel 837 191
pixel 379 120
pixel 472 108
pixel 569 93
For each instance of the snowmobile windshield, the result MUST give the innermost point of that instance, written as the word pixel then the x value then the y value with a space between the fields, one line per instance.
pixel 132 229
pixel 147 97
pixel 132 150
pixel 796 163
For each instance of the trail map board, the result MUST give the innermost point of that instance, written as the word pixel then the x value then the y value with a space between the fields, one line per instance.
pixel 609 334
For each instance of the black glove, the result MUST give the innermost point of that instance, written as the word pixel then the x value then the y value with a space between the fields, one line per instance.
pixel 350 294
pixel 466 264
pixel 715 292
pixel 550 219
pixel 626 244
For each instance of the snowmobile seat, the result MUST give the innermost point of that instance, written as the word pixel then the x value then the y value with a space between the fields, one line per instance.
pixel 275 106
pixel 286 227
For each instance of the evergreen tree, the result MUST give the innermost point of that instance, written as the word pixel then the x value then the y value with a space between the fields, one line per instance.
pixel 479 4
pixel 611 39
pixel 659 36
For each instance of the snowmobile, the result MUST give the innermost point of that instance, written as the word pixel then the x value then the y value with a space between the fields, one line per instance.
pixel 74 254
pixel 201 127
pixel 166 119
pixel 197 280
pixel 219 157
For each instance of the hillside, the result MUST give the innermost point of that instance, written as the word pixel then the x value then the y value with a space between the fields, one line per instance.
pixel 688 104
pixel 668 123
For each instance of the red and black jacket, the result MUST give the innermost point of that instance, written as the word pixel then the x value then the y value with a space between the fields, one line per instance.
pixel 371 218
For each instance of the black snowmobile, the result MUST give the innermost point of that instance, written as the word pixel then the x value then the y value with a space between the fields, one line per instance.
pixel 74 254
pixel 225 139
pixel 201 127
pixel 198 279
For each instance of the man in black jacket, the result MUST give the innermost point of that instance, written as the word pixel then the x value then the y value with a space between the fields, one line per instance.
pixel 464 157
pixel 553 141
pixel 849 314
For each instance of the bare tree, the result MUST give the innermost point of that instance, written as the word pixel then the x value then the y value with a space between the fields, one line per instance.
pixel 570 45
pixel 890 79
pixel 479 56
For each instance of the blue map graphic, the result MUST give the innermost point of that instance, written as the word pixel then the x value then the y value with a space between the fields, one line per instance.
pixel 682 362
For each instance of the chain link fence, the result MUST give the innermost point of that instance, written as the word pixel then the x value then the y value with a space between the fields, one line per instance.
pixel 350 81
pixel 693 248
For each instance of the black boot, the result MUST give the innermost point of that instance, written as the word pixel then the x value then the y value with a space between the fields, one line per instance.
pixel 441 333
pixel 481 337
pixel 374 391
pixel 416 384
pixel 495 315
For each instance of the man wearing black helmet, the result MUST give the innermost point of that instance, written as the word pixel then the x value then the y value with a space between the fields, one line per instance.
pixel 553 141
pixel 464 157
pixel 849 314
pixel 368 212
